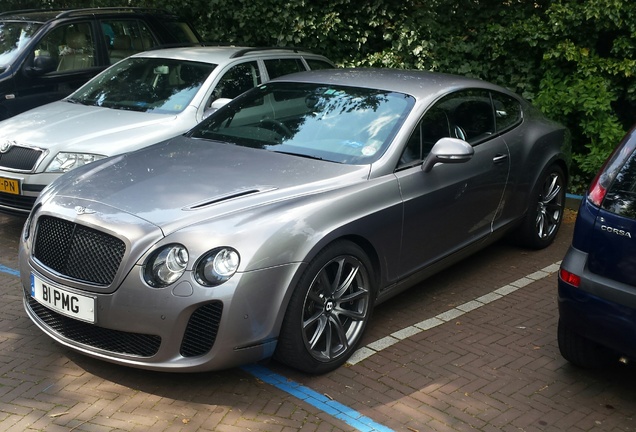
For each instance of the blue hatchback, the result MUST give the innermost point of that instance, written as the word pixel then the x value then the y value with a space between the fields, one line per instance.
pixel 597 280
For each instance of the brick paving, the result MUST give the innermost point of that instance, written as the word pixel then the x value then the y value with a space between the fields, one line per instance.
pixel 494 368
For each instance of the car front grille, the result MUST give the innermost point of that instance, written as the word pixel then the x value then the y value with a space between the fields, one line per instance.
pixel 78 252
pixel 20 158
pixel 202 328
pixel 17 204
pixel 137 344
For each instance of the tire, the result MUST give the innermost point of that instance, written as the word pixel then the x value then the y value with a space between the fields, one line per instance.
pixel 328 310
pixel 545 212
pixel 583 352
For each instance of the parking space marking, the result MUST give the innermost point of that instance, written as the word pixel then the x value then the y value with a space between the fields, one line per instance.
pixel 451 314
pixel 11 271
pixel 315 399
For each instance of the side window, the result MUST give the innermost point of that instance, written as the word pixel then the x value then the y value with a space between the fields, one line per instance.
pixel 434 125
pixel 280 67
pixel 181 31
pixel 126 37
pixel 239 79
pixel 70 47
pixel 318 64
pixel 471 113
pixel 507 111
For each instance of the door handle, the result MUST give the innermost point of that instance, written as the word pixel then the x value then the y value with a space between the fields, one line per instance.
pixel 499 158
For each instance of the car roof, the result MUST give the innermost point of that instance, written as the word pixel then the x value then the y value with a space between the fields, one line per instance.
pixel 421 84
pixel 221 54
pixel 45 15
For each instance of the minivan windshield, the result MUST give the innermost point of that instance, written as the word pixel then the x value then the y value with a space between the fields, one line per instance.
pixel 14 36
pixel 348 125
pixel 153 85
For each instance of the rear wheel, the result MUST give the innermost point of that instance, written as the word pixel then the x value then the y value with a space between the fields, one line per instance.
pixel 545 213
pixel 328 310
pixel 583 352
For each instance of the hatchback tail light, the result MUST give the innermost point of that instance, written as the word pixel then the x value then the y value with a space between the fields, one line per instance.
pixel 570 278
pixel 611 167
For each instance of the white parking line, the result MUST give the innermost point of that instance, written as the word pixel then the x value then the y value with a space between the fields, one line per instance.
pixel 451 314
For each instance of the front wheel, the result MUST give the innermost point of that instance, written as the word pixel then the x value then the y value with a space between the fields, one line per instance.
pixel 545 212
pixel 328 310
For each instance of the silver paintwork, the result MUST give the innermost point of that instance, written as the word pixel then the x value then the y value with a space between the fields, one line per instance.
pixel 411 223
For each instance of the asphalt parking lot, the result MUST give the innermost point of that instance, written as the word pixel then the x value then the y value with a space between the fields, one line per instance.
pixel 473 348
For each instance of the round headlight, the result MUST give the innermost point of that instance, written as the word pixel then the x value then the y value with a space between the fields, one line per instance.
pixel 217 266
pixel 166 265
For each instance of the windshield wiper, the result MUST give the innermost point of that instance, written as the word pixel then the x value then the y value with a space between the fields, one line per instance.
pixel 298 154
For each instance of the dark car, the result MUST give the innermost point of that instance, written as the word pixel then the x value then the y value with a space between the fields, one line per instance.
pixel 597 280
pixel 47 54
pixel 275 225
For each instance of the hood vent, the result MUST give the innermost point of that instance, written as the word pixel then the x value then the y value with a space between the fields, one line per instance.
pixel 228 197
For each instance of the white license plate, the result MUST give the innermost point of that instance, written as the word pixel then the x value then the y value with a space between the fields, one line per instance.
pixel 65 302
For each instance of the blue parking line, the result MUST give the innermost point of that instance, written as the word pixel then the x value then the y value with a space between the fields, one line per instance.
pixel 323 403
pixel 11 271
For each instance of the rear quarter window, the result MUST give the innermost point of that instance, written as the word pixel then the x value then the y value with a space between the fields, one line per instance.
pixel 507 111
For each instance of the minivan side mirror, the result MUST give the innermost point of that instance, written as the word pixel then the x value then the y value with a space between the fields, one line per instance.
pixel 448 150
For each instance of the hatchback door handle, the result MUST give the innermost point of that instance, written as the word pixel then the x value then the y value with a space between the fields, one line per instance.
pixel 499 158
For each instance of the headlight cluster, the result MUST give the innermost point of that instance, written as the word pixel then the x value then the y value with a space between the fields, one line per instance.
pixel 65 162
pixel 217 266
pixel 166 265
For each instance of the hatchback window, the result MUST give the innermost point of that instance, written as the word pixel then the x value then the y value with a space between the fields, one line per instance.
pixel 621 196
pixel 339 124
pixel 13 37
pixel 162 86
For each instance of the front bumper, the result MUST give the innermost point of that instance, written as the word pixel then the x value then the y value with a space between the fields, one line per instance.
pixel 184 327
pixel 600 309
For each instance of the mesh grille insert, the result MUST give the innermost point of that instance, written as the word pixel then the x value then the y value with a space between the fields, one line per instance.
pixel 78 252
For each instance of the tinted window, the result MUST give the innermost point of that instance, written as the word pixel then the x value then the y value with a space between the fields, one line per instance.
pixel 126 37
pixel 70 46
pixel 621 196
pixel 280 67
pixel 318 64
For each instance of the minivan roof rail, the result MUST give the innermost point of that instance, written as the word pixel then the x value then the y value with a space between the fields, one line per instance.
pixel 245 51
pixel 72 12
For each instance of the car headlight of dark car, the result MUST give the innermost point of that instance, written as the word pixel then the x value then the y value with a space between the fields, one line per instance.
pixel 217 266
pixel 166 265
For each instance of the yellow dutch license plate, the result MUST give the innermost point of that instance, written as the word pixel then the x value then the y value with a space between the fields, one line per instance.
pixel 10 186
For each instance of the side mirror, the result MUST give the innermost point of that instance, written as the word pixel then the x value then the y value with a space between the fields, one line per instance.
pixel 220 102
pixel 42 64
pixel 448 150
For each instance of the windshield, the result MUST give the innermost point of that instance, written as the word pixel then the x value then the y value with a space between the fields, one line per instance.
pixel 13 38
pixel 339 124
pixel 162 86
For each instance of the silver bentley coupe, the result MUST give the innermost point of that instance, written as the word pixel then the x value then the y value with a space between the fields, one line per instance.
pixel 274 227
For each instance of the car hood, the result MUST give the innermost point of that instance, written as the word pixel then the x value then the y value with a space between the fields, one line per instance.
pixel 186 180
pixel 62 125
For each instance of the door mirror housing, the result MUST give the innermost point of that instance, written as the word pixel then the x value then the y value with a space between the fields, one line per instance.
pixel 448 150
